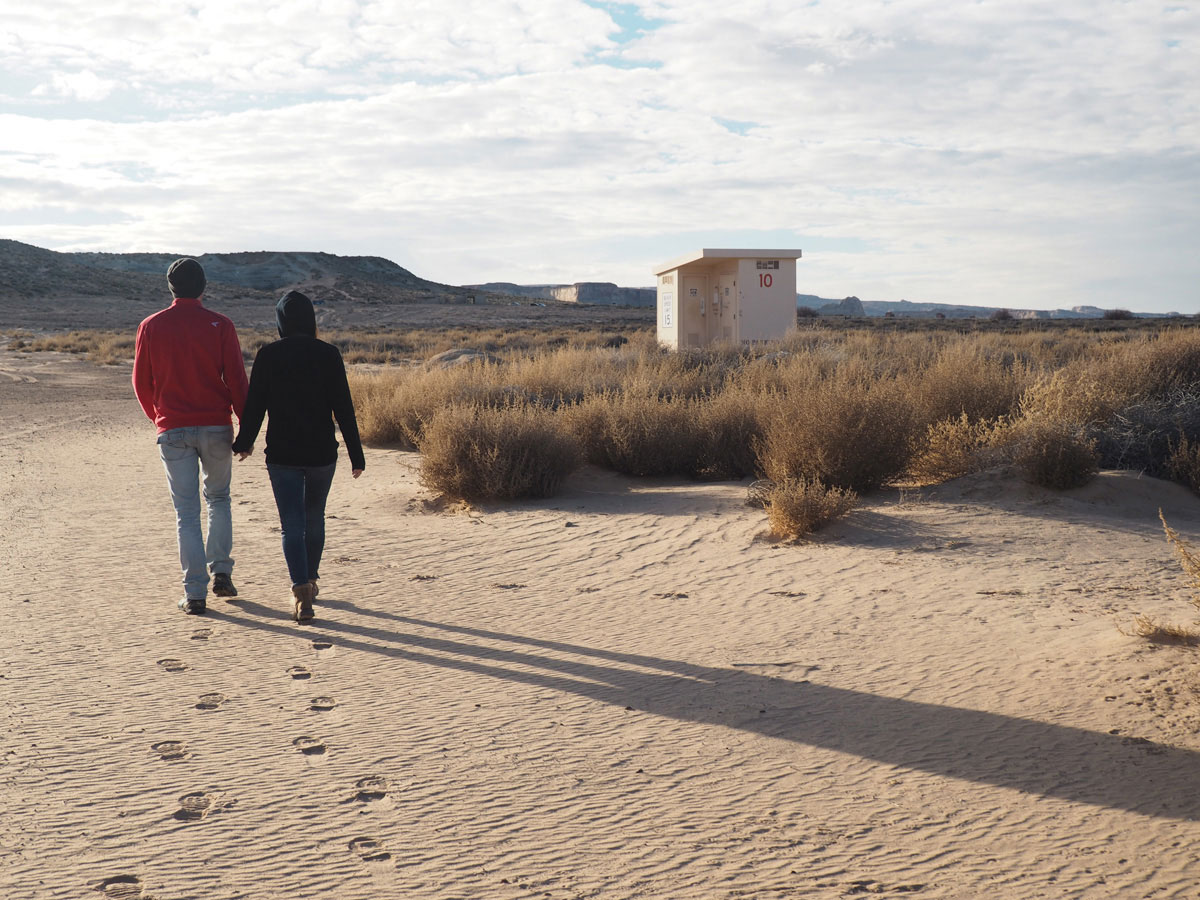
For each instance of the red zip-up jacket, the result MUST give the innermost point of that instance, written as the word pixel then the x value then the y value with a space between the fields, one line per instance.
pixel 188 368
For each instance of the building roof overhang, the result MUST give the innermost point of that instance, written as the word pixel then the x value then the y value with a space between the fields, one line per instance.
pixel 715 254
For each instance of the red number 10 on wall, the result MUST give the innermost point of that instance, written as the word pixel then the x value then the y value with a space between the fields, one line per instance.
pixel 764 279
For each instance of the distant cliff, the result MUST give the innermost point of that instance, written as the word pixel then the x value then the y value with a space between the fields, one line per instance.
pixel 603 293
pixel 918 310
pixel 955 311
pixel 851 306
pixel 596 293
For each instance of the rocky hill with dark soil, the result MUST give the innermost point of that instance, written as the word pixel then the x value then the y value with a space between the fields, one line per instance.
pixel 45 290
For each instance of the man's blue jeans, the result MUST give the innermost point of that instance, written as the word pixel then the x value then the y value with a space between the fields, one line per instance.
pixel 300 494
pixel 188 454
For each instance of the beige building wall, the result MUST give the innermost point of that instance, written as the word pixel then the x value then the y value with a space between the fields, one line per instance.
pixel 723 295
pixel 668 308
pixel 768 298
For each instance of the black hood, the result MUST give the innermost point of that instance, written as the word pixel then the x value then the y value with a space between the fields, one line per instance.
pixel 295 316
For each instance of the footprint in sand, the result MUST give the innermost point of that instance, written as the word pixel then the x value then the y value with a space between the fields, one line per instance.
pixel 423 578
pixel 202 634
pixel 210 701
pixel 194 806
pixel 671 595
pixel 170 751
pixel 299 673
pixel 369 850
pixel 309 746
pixel 869 886
pixel 120 887
pixel 373 787
pixel 322 704
pixel 173 665
pixel 507 587
pixel 322 645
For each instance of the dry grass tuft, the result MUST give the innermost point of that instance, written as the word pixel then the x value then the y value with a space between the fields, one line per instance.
pixel 1167 633
pixel 799 506
pixel 1187 558
pixel 1164 633
pixel 476 453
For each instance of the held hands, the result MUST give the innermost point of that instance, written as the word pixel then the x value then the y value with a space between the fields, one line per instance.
pixel 243 454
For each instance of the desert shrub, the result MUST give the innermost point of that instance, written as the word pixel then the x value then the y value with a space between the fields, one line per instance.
pixel 799 506
pixel 569 374
pixel 845 430
pixel 1055 455
pixel 1000 315
pixel 103 347
pixel 636 432
pixel 394 406
pixel 1070 396
pixel 956 447
pixel 1140 367
pixel 1170 360
pixel 1183 462
pixel 964 380
pixel 806 312
pixel 727 428
pixel 1140 436
pixel 1118 314
pixel 379 419
pixel 478 453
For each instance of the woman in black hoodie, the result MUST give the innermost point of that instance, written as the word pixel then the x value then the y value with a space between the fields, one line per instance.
pixel 300 383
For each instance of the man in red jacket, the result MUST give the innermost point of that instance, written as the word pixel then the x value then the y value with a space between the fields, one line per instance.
pixel 188 375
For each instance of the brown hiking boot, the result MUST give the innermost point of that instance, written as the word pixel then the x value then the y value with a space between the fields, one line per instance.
pixel 222 585
pixel 316 586
pixel 302 597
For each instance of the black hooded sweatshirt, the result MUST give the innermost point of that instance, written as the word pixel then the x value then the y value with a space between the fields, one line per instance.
pixel 300 383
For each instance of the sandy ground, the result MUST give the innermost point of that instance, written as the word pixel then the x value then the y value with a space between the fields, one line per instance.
pixel 617 693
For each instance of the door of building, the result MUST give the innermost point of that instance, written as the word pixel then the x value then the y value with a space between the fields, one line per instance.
pixel 693 328
pixel 724 323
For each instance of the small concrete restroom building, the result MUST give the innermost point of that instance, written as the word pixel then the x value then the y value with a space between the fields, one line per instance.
pixel 726 295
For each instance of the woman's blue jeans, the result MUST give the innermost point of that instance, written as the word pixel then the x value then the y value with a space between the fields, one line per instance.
pixel 300 493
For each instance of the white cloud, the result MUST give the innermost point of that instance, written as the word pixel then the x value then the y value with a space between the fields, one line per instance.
pixel 974 152
pixel 85 86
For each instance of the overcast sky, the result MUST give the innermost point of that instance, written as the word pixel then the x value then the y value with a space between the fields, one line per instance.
pixel 1007 153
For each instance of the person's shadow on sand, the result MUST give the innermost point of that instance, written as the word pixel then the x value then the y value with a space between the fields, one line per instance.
pixel 1034 757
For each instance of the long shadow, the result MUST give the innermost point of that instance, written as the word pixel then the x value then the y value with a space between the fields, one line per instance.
pixel 1034 757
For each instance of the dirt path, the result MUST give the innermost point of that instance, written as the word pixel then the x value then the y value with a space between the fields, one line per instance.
pixel 618 693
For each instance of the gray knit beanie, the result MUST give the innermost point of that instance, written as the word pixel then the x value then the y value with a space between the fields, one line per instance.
pixel 186 278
